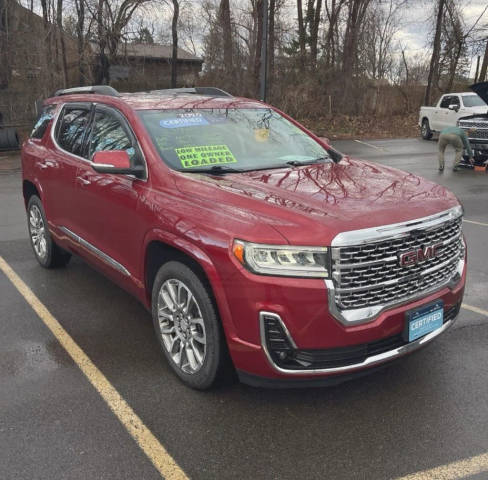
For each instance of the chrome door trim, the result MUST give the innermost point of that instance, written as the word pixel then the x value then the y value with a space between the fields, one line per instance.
pixel 102 255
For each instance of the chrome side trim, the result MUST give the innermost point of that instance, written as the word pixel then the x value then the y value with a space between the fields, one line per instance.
pixel 395 230
pixel 368 362
pixel 103 256
pixel 368 314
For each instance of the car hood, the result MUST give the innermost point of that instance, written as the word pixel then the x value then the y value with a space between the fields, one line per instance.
pixel 312 204
pixel 481 89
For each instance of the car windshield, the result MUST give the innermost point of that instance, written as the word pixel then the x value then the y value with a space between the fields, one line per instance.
pixel 473 101
pixel 230 139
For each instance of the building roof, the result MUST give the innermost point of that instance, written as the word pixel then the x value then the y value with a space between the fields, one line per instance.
pixel 151 50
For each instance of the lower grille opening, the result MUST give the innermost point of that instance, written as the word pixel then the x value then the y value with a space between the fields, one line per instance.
pixel 285 356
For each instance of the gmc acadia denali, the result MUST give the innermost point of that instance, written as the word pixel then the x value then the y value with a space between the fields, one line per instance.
pixel 254 243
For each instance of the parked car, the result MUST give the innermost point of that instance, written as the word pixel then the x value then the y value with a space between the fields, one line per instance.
pixel 254 244
pixel 449 109
pixel 476 126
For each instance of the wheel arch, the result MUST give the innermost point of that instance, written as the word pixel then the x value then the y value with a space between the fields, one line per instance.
pixel 30 188
pixel 161 247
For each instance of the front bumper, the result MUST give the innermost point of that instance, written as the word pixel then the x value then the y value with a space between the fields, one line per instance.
pixel 311 327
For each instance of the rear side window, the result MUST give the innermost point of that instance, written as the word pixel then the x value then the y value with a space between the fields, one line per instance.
pixel 47 114
pixel 71 131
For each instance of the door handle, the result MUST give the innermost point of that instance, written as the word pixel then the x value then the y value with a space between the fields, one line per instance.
pixel 83 181
pixel 47 164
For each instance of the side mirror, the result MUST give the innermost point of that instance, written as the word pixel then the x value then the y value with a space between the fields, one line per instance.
pixel 453 107
pixel 116 162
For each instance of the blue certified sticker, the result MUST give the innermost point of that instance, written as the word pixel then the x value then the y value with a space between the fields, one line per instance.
pixel 184 120
pixel 425 320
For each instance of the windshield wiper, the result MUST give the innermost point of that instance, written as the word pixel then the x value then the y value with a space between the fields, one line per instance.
pixel 214 170
pixel 297 163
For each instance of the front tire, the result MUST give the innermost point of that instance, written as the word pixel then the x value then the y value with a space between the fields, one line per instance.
pixel 425 130
pixel 47 253
pixel 187 326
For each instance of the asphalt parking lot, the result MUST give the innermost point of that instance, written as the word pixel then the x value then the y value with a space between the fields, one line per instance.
pixel 428 411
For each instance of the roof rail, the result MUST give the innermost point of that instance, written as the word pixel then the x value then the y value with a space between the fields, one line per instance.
pixel 95 89
pixel 210 91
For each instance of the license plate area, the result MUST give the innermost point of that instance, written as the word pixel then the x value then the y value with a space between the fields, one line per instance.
pixel 423 320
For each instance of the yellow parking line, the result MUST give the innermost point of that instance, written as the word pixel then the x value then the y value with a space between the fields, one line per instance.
pixel 475 223
pixel 475 309
pixel 453 471
pixel 146 440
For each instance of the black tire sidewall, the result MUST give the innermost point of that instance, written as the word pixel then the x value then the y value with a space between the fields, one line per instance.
pixel 212 364
pixel 47 261
pixel 428 131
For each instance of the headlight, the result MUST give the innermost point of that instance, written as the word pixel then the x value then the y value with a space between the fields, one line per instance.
pixel 283 260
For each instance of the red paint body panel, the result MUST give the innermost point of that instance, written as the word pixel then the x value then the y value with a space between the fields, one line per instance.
pixel 201 215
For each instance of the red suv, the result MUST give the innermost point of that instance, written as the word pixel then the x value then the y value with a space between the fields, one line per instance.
pixel 254 243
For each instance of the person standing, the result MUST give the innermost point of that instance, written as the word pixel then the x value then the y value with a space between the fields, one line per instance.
pixel 456 137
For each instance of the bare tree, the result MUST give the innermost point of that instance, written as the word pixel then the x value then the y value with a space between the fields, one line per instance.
pixel 484 65
pixel 224 17
pixel 174 34
pixel 434 61
pixel 59 24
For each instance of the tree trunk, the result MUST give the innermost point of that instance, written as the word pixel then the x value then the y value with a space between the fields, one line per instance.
pixel 314 34
pixel 484 65
pixel 227 34
pixel 48 46
pixel 259 40
pixel 80 27
pixel 174 33
pixel 477 69
pixel 103 74
pixel 357 10
pixel 271 44
pixel 452 73
pixel 301 31
pixel 434 61
pixel 59 22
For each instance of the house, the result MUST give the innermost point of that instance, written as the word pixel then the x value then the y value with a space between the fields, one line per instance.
pixel 147 66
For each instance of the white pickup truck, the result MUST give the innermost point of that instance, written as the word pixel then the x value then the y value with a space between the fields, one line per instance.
pixel 450 108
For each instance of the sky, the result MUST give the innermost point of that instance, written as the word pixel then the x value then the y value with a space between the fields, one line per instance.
pixel 415 33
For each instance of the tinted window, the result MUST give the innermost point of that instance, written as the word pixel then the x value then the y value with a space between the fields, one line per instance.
pixel 108 133
pixel 446 101
pixel 47 114
pixel 454 100
pixel 71 132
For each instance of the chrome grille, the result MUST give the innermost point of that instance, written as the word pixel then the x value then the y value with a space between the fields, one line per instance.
pixel 370 274
pixel 468 124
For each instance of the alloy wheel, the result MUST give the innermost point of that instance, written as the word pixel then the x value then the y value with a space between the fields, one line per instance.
pixel 37 231
pixel 181 326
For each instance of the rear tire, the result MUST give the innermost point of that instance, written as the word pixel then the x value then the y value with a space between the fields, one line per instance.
pixel 47 253
pixel 187 326
pixel 425 130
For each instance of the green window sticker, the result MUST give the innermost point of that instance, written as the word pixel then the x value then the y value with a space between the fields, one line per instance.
pixel 204 155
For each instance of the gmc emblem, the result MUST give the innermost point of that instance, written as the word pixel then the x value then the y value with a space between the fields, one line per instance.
pixel 419 255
